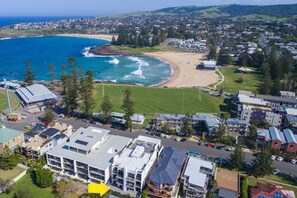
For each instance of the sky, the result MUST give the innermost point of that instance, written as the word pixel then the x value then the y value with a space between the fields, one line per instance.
pixel 108 7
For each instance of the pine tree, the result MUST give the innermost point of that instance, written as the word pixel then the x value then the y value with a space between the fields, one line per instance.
pixel 266 84
pixel 236 158
pixel 29 75
pixel 86 94
pixel 276 87
pixel 262 164
pixel 113 40
pixel 106 108
pixel 187 125
pixel 52 73
pixel 128 107
pixel 212 54
pixel 49 114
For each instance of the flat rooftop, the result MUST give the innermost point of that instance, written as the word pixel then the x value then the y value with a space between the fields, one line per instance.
pixel 35 143
pixel 193 171
pixel 100 157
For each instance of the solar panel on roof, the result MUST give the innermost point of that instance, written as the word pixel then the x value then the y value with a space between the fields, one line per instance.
pixel 81 142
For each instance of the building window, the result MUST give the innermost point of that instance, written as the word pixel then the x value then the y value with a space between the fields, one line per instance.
pixel 131 175
pixel 277 195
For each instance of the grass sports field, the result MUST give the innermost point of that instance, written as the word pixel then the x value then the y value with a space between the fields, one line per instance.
pixel 251 80
pixel 160 100
pixel 3 101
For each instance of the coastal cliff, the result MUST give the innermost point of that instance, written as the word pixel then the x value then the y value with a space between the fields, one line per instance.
pixel 109 50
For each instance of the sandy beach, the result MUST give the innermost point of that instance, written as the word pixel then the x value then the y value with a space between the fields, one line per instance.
pixel 185 72
pixel 107 37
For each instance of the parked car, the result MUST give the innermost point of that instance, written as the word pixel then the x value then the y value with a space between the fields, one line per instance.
pixel 280 158
pixel 230 148
pixel 208 144
pixel 61 115
pixel 191 153
pixel 98 124
pixel 273 157
pixel 202 143
pixel 183 140
pixel 167 136
pixel 248 165
pixel 276 171
pixel 162 135
pixel 178 139
pixel 293 161
pixel 221 160
pixel 33 124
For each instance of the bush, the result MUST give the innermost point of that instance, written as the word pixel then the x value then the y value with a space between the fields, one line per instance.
pixel 43 177
pixel 244 187
pixel 23 193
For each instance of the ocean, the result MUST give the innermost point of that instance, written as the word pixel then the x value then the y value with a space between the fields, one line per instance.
pixel 6 21
pixel 42 51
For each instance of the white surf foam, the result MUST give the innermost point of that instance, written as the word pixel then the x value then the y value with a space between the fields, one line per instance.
pixel 114 61
pixel 138 61
pixel 6 38
pixel 138 73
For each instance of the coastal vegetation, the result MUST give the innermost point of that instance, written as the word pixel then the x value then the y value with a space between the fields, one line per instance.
pixel 160 100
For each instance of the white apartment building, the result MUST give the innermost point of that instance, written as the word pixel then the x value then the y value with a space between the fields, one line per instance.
pixel 195 177
pixel 131 167
pixel 87 154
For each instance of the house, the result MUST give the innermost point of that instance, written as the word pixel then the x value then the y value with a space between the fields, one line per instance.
pixel 36 146
pixel 35 94
pixel 210 64
pixel 238 125
pixel 291 140
pixel 163 181
pixel 290 120
pixel 277 138
pixel 195 177
pixel 263 136
pixel 131 167
pixel 10 138
pixel 269 190
pixel 227 183
pixel 118 118
pixel 287 94
pixel 87 154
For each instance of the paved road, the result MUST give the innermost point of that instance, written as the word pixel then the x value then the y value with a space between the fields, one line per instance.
pixel 285 167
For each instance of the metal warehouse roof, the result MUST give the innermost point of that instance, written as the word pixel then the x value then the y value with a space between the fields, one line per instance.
pixel 35 93
pixel 168 167
pixel 289 136
pixel 274 133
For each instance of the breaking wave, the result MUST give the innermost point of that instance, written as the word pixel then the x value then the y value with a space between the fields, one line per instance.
pixel 138 61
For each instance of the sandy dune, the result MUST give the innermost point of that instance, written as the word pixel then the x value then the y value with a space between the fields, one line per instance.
pixel 107 37
pixel 185 72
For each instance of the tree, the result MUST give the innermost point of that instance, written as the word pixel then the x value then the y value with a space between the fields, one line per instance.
pixel 262 164
pixel 144 194
pixel 86 93
pixel 128 107
pixel 244 187
pixel 187 125
pixel 113 40
pixel 23 193
pixel 236 158
pixel 49 115
pixel 106 108
pixel 66 189
pixel 43 177
pixel 166 128
pixel 252 137
pixel 276 87
pixel 8 159
pixel 52 72
pixel 212 54
pixel 29 75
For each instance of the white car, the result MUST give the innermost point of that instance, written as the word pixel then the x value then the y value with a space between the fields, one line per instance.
pixel 98 124
pixel 167 136
pixel 273 157
pixel 177 139
pixel 162 135
pixel 293 161
pixel 230 148
pixel 280 159
pixel 33 124
pixel 61 115
pixel 276 171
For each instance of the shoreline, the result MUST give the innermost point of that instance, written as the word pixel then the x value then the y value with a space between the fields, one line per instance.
pixel 106 37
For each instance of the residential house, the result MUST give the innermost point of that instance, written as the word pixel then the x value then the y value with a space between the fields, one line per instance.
pixel 10 138
pixel 277 138
pixel 291 141
pixel 228 183
pixel 131 167
pixel 87 154
pixel 36 146
pixel 262 190
pixel 195 177
pixel 163 181
pixel 238 125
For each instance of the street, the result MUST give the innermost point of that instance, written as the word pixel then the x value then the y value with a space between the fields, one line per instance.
pixel 285 167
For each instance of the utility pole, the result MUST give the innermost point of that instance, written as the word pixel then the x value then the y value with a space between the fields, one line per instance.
pixel 7 95
pixel 183 102
pixel 102 91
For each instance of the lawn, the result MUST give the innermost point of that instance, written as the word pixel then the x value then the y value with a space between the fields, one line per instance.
pixel 161 100
pixel 11 174
pixel 37 192
pixel 251 81
pixel 13 100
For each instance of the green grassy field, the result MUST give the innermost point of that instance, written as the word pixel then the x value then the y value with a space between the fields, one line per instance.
pixel 11 174
pixel 3 101
pixel 161 100
pixel 26 182
pixel 251 80
pixel 158 48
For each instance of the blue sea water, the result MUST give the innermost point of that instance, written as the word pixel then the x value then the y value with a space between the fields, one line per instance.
pixel 42 51
pixel 6 21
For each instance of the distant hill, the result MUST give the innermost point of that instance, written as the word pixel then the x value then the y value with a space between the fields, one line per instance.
pixel 230 11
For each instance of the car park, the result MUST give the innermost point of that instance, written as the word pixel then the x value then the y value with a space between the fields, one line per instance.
pixel 280 158
pixel 273 157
